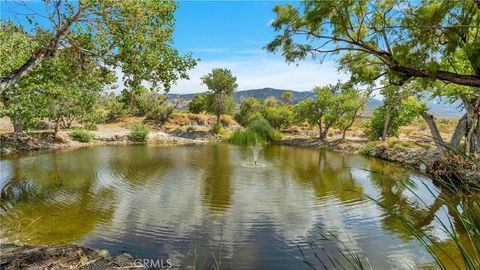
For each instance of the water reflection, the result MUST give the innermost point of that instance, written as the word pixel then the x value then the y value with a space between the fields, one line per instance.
pixel 159 202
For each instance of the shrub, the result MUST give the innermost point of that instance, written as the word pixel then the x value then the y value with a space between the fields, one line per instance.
pixel 111 109
pixel 90 126
pixel 41 125
pixel 264 130
pixel 198 104
pixel 365 150
pixel 248 108
pixel 258 131
pixel 278 116
pixel 246 137
pixel 81 135
pixel 160 113
pixel 139 133
pixel 191 129
pixel 216 128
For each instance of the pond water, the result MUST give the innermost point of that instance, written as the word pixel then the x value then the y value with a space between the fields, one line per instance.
pixel 197 205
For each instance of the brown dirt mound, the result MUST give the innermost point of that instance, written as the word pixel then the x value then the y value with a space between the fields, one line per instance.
pixel 60 257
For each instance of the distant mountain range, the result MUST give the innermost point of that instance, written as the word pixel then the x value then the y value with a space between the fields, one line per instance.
pixel 438 106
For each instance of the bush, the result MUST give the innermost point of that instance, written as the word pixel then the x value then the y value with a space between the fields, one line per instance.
pixel 264 130
pixel 198 104
pixel 110 109
pixel 365 150
pixel 160 113
pixel 216 129
pixel 248 108
pixel 246 137
pixel 41 125
pixel 278 116
pixel 139 133
pixel 258 131
pixel 81 135
pixel 90 126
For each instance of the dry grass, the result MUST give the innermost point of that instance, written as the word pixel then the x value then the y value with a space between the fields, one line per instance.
pixel 183 121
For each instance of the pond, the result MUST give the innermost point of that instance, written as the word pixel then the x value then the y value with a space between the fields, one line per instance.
pixel 198 205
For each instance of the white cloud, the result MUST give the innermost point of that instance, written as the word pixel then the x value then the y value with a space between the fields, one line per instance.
pixel 264 72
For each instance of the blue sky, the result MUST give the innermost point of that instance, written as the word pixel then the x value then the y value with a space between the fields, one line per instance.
pixel 231 34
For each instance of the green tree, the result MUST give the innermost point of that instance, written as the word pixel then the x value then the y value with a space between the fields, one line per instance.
pixel 383 126
pixel 109 108
pixel 159 110
pixel 63 88
pixel 392 38
pixel 326 109
pixel 433 42
pixel 354 103
pixel 198 103
pixel 222 85
pixel 279 116
pixel 135 36
pixel 249 109
pixel 468 126
pixel 135 100
pixel 287 97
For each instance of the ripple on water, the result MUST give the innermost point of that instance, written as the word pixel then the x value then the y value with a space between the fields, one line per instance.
pixel 154 201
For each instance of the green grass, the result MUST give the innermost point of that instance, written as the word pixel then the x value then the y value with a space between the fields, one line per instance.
pixel 258 131
pixel 244 137
pixel 365 150
pixel 81 135
pixel 139 133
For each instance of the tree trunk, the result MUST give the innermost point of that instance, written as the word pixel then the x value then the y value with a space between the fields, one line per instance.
pixel 472 106
pixel 67 121
pixel 325 133
pixel 57 126
pixel 386 122
pixel 471 139
pixel 218 118
pixel 478 136
pixel 354 117
pixel 320 134
pixel 437 138
pixel 17 125
pixel 344 132
pixel 460 131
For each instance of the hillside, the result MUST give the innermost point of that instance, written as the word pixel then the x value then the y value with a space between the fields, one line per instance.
pixel 438 106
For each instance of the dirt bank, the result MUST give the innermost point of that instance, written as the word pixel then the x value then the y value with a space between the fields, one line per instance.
pixel 408 154
pixel 33 141
pixel 62 257
pixel 182 128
